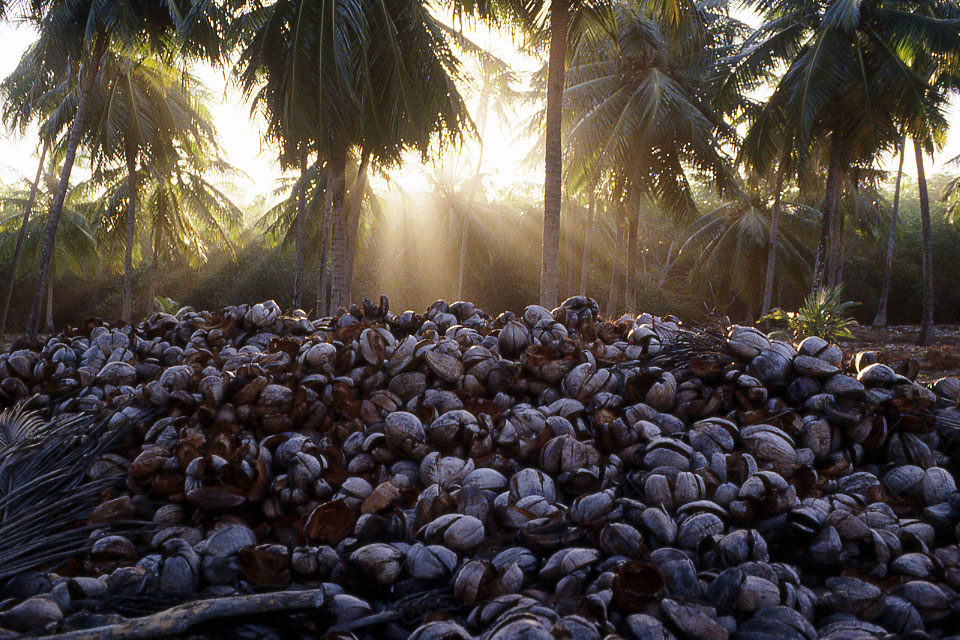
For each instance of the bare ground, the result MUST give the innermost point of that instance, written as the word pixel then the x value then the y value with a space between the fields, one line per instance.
pixel 899 343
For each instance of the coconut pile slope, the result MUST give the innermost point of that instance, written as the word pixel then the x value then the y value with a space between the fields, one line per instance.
pixel 453 475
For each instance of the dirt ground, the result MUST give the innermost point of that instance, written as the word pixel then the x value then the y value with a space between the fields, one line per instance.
pixel 898 343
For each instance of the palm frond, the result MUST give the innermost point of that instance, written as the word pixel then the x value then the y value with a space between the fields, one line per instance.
pixel 45 493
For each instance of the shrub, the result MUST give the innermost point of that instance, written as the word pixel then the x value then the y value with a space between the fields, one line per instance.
pixel 822 314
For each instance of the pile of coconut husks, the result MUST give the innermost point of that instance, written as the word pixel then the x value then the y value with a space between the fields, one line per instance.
pixel 553 474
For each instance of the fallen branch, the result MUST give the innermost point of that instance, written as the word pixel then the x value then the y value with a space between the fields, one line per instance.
pixel 177 620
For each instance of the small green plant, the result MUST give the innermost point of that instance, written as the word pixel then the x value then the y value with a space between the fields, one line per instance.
pixel 168 305
pixel 822 314
pixel 165 305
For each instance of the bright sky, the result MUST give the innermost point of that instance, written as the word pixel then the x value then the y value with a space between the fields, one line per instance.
pixel 241 135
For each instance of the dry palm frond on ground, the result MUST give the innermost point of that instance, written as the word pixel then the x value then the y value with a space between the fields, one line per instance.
pixel 45 493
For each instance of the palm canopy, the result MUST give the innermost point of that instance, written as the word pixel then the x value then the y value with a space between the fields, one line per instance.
pixel 77 243
pixel 288 64
pixel 34 93
pixel 636 109
pixel 848 74
pixel 191 28
pixel 387 75
pixel 186 214
pixel 728 245
pixel 150 108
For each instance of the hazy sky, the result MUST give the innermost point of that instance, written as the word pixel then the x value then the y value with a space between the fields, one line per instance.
pixel 240 134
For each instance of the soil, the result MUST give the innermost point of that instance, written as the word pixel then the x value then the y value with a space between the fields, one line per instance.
pixel 897 343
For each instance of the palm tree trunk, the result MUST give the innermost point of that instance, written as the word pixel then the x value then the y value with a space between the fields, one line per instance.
pixel 73 142
pixel 926 321
pixel 830 200
pixel 21 236
pixel 126 311
pixel 48 324
pixel 841 222
pixel 633 220
pixel 571 251
pixel 881 318
pixel 772 246
pixel 359 191
pixel 322 300
pixel 613 297
pixel 549 267
pixel 301 230
pixel 339 296
pixel 585 258
pixel 462 261
pixel 153 275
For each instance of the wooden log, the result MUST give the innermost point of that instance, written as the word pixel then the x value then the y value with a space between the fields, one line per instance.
pixel 179 619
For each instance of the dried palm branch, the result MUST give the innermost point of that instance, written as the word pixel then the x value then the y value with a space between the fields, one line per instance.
pixel 690 343
pixel 45 493
pixel 17 424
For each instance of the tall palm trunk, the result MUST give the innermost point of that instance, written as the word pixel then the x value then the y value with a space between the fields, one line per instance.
pixel 462 261
pixel 359 191
pixel 613 297
pixel 881 318
pixel 153 275
pixel 926 321
pixel 73 142
pixel 633 220
pixel 21 236
pixel 131 156
pixel 751 311
pixel 553 159
pixel 573 270
pixel 840 220
pixel 772 246
pixel 322 300
pixel 585 258
pixel 339 296
pixel 48 323
pixel 830 200
pixel 301 230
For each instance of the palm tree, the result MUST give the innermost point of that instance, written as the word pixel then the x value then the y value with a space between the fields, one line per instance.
pixel 558 23
pixel 728 246
pixel 75 248
pixel 185 215
pixel 942 72
pixel 21 236
pixel 497 93
pixel 281 221
pixel 951 195
pixel 638 117
pixel 272 70
pixel 148 112
pixel 553 156
pixel 782 168
pixel 926 252
pixel 847 85
pixel 30 95
pixel 76 35
pixel 880 320
pixel 357 46
pixel 587 238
